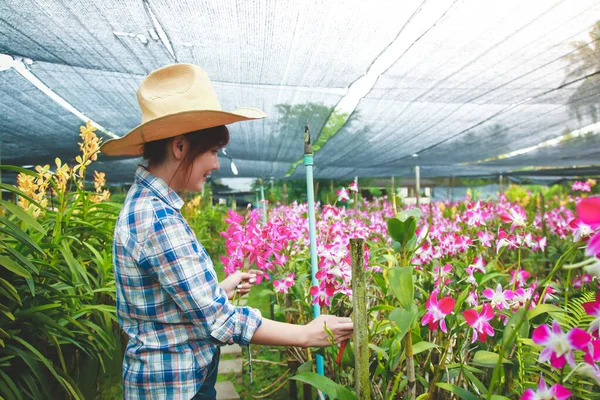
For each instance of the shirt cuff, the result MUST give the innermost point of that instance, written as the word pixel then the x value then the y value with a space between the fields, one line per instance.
pixel 239 327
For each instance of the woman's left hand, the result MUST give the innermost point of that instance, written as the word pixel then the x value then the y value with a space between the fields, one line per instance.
pixel 240 282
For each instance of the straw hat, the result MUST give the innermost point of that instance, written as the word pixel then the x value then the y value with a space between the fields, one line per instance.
pixel 175 99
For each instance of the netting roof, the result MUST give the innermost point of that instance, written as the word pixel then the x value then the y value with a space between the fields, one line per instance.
pixel 450 85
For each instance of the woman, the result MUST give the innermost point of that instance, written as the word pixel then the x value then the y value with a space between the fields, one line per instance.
pixel 169 302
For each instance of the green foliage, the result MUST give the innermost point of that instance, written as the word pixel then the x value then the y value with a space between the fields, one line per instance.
pixel 327 386
pixel 207 221
pixel 58 327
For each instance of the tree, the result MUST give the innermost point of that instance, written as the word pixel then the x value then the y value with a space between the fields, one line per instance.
pixel 585 60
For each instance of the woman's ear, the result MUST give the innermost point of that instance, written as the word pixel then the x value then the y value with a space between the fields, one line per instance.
pixel 179 147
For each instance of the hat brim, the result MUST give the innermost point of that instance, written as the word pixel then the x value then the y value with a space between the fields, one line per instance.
pixel 132 144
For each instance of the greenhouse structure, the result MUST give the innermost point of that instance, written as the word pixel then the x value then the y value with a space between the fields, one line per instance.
pixel 277 199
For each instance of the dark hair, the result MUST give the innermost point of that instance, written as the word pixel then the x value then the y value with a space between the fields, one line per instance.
pixel 199 142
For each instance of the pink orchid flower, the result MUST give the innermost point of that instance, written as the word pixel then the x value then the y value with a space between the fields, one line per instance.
pixel 437 311
pixel 354 186
pixel 581 186
pixel 499 298
pixel 588 211
pixel 593 309
pixel 518 278
pixel 515 218
pixel 580 229
pixel 322 295
pixel 560 346
pixel 485 238
pixel 544 392
pixel 479 322
pixel 505 240
pixel 473 299
pixel 284 285
pixel 343 195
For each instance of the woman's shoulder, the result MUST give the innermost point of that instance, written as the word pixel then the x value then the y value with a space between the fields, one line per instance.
pixel 142 211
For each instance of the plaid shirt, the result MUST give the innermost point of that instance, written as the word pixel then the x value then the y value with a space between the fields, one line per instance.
pixel 168 299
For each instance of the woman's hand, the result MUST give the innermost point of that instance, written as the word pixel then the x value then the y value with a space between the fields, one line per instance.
pixel 239 281
pixel 316 335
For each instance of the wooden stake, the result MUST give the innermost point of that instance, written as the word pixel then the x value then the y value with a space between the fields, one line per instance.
pixel 361 332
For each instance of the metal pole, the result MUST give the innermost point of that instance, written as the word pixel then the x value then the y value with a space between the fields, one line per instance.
pixel 418 185
pixel 262 199
pixel 314 262
pixel 394 198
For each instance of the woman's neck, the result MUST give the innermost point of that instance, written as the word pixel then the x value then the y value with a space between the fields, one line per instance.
pixel 167 173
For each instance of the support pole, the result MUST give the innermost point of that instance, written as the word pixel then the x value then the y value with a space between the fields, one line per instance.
pixel 314 262
pixel 418 185
pixel 362 383
pixel 501 184
pixel 394 198
pixel 262 199
pixel 264 219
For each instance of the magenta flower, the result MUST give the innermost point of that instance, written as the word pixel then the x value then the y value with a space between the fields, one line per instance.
pixel 284 285
pixel 593 309
pixel 322 295
pixel 560 346
pixel 499 298
pixel 479 322
pixel 485 238
pixel 354 186
pixel 589 212
pixel 518 277
pixel 515 218
pixel 437 311
pixel 578 186
pixel 343 195
pixel 544 392
pixel 580 229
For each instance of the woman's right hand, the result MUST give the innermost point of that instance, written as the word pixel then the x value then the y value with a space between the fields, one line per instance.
pixel 316 335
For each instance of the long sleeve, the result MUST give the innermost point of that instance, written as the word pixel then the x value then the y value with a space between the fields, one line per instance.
pixel 174 257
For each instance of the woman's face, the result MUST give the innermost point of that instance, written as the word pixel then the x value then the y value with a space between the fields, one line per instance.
pixel 202 167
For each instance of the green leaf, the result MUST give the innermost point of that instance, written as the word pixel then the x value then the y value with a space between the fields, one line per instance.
pixel 24 260
pixel 402 231
pixel 413 212
pixel 512 323
pixel 487 277
pixel 14 267
pixel 36 309
pixel 10 384
pixel 23 216
pixel 381 307
pixel 543 308
pixel 475 381
pixel 457 390
pixel 396 229
pixel 306 367
pixel 487 359
pixel 17 233
pixel 423 346
pixel 11 290
pixel 401 282
pixel 324 384
pixel 75 266
pixel 403 320
pixel 344 393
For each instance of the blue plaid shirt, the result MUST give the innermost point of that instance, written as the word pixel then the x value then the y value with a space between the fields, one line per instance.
pixel 168 299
